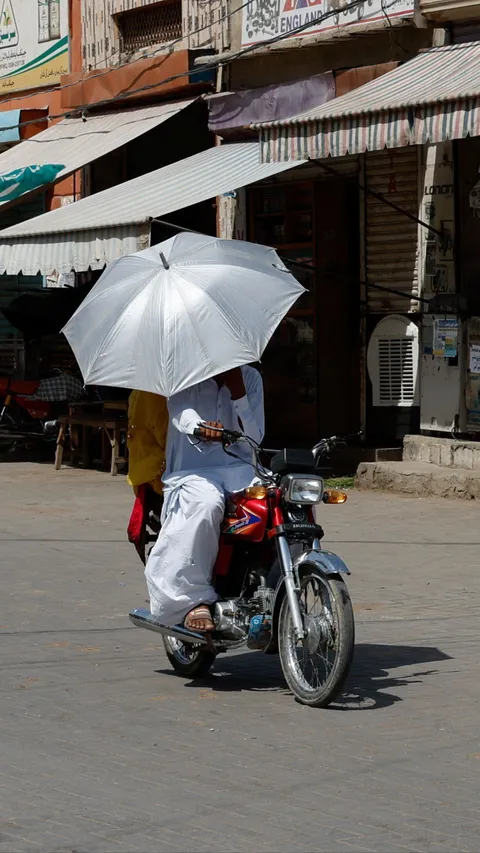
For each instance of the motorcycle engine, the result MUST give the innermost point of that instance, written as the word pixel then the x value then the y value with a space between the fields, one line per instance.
pixel 230 620
pixel 264 598
pixel 232 616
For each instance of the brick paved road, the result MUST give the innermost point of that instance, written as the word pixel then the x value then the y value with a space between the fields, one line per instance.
pixel 102 749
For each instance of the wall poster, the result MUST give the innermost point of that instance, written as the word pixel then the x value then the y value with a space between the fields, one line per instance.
pixel 33 43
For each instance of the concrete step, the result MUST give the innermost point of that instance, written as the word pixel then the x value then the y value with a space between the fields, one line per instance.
pixel 445 452
pixel 345 460
pixel 421 479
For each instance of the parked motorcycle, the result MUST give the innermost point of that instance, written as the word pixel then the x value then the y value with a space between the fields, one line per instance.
pixel 25 417
pixel 279 592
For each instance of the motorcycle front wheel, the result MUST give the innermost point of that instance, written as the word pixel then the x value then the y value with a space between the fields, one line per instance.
pixel 316 667
pixel 188 660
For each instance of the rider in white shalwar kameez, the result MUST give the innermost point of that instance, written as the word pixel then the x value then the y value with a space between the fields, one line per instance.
pixel 198 476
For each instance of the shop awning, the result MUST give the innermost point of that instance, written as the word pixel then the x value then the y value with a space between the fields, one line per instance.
pixel 74 142
pixel 95 230
pixel 431 98
pixel 9 127
pixel 17 125
pixel 232 110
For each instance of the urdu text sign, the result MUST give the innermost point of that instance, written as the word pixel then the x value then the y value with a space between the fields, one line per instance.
pixel 33 43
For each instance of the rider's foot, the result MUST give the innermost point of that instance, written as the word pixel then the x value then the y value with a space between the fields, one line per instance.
pixel 199 619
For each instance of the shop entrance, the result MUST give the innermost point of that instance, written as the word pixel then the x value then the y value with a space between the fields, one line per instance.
pixel 311 366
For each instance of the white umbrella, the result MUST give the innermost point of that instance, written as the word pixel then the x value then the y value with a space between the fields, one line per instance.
pixel 180 312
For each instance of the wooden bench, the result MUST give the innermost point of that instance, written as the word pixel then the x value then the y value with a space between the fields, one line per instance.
pixel 110 427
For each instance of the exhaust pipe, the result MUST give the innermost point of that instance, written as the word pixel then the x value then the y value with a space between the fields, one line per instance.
pixel 142 618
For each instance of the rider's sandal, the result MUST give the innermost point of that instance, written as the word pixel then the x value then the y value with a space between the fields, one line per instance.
pixel 201 612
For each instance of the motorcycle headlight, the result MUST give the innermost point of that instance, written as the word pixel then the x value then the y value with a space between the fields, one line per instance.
pixel 303 490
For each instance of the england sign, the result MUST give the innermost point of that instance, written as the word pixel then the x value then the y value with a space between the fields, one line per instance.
pixel 267 19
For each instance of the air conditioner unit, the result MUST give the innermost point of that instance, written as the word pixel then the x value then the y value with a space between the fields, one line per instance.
pixel 392 362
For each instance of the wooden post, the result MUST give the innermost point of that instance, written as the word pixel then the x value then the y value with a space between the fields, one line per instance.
pixel 60 446
pixel 115 451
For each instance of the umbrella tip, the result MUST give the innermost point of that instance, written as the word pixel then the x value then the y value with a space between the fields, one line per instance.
pixel 164 261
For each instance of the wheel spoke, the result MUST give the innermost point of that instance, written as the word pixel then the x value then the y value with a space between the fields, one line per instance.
pixel 316 666
pixel 314 657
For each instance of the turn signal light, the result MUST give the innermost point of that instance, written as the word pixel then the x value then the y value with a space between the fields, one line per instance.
pixel 256 492
pixel 334 496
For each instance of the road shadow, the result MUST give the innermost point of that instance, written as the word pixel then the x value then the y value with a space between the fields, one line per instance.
pixel 372 682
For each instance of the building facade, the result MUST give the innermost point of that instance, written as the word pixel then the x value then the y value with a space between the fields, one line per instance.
pixel 389 323
pixel 352 219
pixel 100 80
pixel 39 43
pixel 223 118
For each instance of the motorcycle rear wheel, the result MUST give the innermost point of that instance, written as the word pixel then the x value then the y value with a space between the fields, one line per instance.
pixel 188 660
pixel 315 668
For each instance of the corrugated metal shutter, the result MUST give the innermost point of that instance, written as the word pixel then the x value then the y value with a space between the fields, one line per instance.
pixel 391 238
pixel 12 285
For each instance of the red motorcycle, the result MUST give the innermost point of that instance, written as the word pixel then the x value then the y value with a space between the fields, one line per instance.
pixel 25 417
pixel 21 418
pixel 279 592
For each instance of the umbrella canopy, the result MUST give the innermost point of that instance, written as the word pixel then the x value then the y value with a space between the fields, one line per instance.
pixel 180 312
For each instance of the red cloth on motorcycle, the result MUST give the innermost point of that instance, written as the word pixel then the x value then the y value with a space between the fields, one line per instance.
pixel 146 501
pixel 137 525
pixel 17 386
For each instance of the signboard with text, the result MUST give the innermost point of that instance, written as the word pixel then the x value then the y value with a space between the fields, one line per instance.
pixel 33 43
pixel 263 20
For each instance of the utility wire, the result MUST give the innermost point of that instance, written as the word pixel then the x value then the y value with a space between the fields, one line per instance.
pixel 309 267
pixel 164 50
pixel 216 63
pixel 385 200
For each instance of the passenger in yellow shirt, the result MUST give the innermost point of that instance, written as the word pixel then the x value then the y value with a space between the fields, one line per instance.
pixel 147 439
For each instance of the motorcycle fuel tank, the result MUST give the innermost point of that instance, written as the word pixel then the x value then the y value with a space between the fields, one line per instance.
pixel 245 517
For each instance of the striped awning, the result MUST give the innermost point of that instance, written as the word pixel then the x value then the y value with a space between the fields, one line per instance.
pixel 431 98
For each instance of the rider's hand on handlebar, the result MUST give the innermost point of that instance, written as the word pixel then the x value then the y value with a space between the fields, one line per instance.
pixel 211 434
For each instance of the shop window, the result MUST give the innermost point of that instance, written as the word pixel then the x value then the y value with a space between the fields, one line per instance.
pixel 393 362
pixel 159 23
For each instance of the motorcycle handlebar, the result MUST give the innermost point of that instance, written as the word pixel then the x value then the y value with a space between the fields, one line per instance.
pixel 327 444
pixel 230 436
pixel 226 436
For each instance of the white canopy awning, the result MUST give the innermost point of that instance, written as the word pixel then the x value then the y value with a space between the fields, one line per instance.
pixel 74 142
pixel 95 230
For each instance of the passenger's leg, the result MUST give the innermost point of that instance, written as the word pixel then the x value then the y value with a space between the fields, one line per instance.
pixel 179 568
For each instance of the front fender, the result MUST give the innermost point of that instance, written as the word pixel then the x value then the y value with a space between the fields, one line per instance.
pixel 326 562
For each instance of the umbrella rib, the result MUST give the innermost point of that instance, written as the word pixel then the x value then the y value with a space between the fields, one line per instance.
pixel 194 249
pixel 109 332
